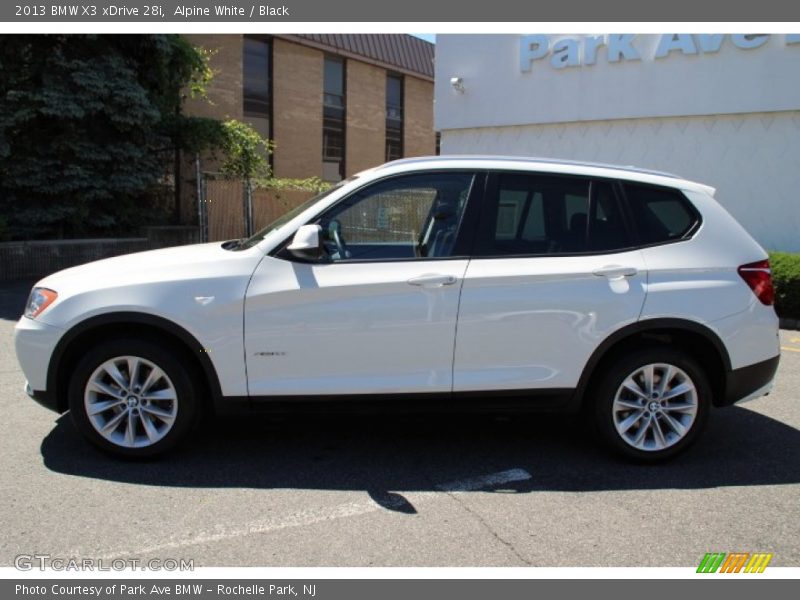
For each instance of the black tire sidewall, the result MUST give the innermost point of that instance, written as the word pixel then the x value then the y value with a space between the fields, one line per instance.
pixel 160 356
pixel 619 370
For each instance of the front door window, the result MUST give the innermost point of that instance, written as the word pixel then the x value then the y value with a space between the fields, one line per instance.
pixel 407 217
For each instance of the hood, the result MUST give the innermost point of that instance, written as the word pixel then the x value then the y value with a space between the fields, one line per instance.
pixel 196 261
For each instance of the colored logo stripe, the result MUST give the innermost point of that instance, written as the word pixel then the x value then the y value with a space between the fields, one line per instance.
pixel 711 562
pixel 734 562
pixel 758 562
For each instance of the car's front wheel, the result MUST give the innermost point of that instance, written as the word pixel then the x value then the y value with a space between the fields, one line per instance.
pixel 132 397
pixel 652 404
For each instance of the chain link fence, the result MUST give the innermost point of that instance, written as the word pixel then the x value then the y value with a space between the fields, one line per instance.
pixel 228 209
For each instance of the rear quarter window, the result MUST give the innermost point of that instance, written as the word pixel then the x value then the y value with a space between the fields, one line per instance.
pixel 660 214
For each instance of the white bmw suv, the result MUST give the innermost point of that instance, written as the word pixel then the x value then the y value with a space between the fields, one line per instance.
pixel 427 283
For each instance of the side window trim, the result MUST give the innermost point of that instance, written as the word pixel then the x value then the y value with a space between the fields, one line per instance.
pixel 487 220
pixel 465 233
pixel 622 209
pixel 526 209
pixel 627 214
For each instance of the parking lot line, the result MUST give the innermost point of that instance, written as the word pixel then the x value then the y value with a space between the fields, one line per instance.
pixel 310 517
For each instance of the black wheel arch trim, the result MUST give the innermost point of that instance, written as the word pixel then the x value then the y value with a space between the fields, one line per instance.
pixel 128 318
pixel 645 326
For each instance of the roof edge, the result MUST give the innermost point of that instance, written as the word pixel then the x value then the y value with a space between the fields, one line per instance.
pixel 667 179
pixel 297 39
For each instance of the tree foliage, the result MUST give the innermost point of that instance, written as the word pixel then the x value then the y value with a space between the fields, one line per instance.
pixel 310 184
pixel 88 124
pixel 786 277
pixel 245 154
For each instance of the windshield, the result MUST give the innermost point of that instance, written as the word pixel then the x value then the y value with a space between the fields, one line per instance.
pixel 282 220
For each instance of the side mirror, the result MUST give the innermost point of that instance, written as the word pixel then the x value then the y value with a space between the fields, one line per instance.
pixel 307 243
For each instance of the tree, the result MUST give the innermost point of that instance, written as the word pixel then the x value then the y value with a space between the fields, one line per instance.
pixel 88 128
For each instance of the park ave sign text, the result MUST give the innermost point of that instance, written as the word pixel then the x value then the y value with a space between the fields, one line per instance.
pixel 566 52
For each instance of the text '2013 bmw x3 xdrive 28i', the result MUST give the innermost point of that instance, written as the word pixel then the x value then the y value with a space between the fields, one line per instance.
pixel 432 282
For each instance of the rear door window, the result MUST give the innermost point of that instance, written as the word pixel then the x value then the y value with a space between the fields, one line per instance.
pixel 532 214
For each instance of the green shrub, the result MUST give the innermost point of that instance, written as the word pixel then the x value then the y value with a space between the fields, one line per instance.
pixel 786 276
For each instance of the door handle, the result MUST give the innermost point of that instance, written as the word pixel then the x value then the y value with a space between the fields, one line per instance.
pixel 432 280
pixel 615 271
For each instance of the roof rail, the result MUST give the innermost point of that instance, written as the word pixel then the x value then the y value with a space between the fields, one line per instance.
pixel 531 159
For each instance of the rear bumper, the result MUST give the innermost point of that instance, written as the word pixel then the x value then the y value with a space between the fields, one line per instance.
pixel 750 382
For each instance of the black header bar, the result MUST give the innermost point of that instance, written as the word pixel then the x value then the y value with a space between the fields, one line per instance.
pixel 444 11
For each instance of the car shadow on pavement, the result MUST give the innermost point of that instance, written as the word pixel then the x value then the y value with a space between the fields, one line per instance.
pixel 386 455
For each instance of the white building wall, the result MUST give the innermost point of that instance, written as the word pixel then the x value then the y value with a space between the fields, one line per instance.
pixel 753 160
pixel 729 118
pixel 500 88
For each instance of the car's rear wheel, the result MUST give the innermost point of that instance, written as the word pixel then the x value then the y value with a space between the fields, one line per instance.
pixel 652 404
pixel 132 398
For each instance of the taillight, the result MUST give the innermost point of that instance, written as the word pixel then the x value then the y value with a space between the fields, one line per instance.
pixel 758 276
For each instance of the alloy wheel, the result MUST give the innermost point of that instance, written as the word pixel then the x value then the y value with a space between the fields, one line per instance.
pixel 130 401
pixel 655 407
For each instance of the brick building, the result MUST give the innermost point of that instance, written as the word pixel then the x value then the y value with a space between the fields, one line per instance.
pixel 333 104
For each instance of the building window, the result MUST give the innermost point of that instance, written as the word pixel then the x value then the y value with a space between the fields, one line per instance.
pixel 394 117
pixel 257 85
pixel 333 119
pixel 438 143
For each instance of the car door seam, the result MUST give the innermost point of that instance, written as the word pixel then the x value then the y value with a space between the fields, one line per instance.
pixel 455 329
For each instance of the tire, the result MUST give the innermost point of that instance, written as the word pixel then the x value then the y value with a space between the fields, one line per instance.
pixel 161 403
pixel 645 421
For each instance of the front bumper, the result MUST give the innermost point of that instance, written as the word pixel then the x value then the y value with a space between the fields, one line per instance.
pixel 34 342
pixel 42 397
pixel 750 382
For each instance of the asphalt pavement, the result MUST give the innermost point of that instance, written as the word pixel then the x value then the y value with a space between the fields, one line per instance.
pixel 400 491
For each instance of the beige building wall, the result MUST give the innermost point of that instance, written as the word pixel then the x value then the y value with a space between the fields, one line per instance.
pixel 365 134
pixel 297 109
pixel 419 138
pixel 297 75
pixel 297 105
pixel 224 100
pixel 225 92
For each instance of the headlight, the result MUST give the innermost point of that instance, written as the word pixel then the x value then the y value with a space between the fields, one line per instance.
pixel 39 300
